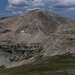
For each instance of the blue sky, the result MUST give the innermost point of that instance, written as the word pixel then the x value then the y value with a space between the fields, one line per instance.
pixel 14 7
pixel 3 4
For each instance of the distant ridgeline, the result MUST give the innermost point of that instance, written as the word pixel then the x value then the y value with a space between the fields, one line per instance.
pixel 1 18
pixel 18 50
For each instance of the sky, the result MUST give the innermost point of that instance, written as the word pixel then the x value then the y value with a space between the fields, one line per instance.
pixel 13 7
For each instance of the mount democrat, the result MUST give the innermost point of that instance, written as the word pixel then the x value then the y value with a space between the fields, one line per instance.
pixel 54 32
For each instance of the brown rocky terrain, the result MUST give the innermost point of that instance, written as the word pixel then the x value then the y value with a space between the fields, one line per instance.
pixel 54 32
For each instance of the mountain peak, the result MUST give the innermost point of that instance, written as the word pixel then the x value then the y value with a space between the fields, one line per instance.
pixel 35 10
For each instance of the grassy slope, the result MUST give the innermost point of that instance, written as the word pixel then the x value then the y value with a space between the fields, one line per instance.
pixel 48 64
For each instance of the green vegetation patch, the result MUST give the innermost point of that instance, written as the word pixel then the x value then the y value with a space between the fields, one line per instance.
pixel 47 64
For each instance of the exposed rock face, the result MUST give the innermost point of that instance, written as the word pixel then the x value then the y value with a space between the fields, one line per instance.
pixel 56 33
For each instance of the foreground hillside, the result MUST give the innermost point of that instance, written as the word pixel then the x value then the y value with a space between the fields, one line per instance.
pixel 56 65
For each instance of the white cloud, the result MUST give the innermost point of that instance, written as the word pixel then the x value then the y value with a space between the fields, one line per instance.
pixel 26 2
pixel 41 2
pixel 15 1
pixel 67 2
pixel 21 5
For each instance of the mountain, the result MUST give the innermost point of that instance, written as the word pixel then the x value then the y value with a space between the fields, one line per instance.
pixel 54 32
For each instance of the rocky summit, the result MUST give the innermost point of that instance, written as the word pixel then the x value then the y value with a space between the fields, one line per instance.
pixel 44 32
